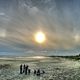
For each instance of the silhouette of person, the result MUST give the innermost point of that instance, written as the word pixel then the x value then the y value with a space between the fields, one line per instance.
pixel 27 66
pixel 29 71
pixel 43 72
pixel 24 68
pixel 34 72
pixel 38 72
pixel 21 69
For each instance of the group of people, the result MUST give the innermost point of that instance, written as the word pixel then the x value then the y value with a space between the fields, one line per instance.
pixel 26 70
pixel 38 72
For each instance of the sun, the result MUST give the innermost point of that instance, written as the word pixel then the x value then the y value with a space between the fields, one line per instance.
pixel 40 37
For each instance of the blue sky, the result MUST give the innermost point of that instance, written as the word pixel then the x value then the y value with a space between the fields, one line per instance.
pixel 20 19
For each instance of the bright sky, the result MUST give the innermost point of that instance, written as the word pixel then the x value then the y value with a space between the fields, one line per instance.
pixel 59 21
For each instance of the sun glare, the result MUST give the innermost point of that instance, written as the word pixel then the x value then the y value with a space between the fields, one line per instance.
pixel 40 37
pixel 77 37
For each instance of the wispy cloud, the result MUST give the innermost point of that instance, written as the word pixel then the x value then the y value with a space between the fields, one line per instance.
pixel 59 20
pixel 2 14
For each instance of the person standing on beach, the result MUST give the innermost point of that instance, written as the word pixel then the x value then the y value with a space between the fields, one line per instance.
pixel 29 71
pixel 38 72
pixel 24 68
pixel 21 69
